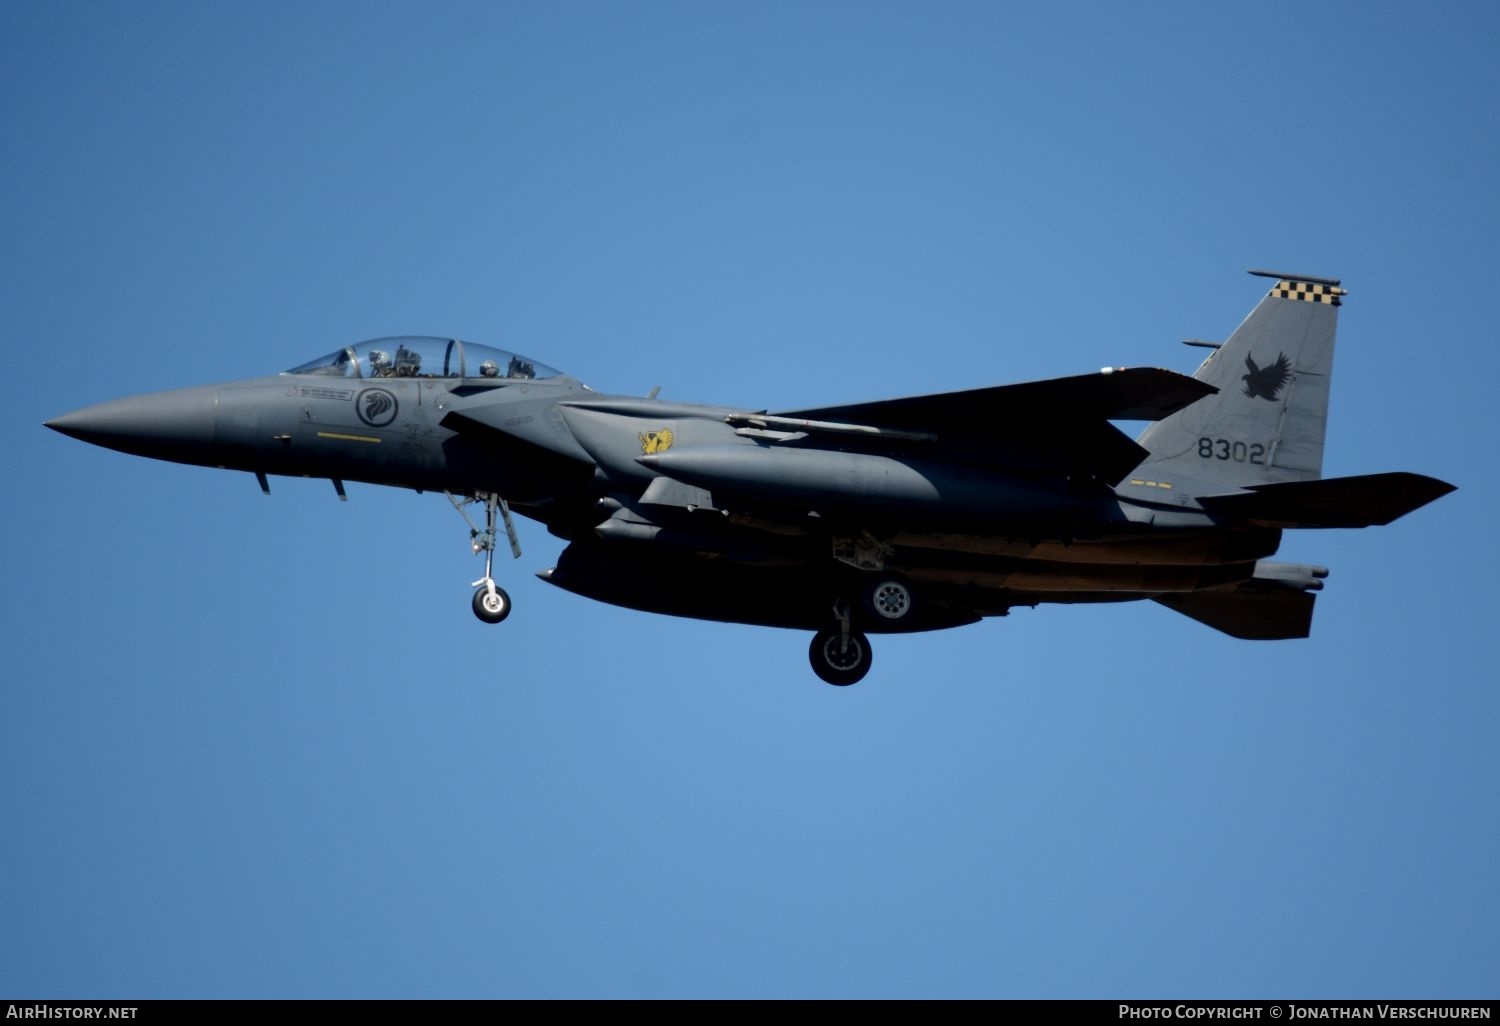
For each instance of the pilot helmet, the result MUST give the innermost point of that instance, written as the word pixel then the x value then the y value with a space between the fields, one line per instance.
pixel 379 358
pixel 489 369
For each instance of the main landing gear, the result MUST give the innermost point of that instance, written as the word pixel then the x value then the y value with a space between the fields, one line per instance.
pixel 491 603
pixel 889 601
pixel 841 654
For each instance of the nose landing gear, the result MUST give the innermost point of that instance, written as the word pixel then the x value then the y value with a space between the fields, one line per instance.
pixel 491 603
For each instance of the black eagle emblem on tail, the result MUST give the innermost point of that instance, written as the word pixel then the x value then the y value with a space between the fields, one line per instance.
pixel 1267 382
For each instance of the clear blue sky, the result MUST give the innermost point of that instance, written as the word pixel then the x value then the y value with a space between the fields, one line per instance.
pixel 259 747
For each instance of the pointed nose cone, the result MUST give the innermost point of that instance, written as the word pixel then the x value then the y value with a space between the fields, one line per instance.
pixel 177 425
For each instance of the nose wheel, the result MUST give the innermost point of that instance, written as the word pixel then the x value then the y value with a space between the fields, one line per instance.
pixel 491 603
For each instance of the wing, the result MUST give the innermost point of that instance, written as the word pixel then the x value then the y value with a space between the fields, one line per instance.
pixel 1139 393
pixel 1060 425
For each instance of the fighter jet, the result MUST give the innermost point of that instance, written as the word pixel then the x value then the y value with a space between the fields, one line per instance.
pixel 899 515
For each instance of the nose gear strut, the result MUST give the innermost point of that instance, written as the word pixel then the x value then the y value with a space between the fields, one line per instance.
pixel 491 603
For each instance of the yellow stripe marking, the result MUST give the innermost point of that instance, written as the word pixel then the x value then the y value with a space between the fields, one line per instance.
pixel 348 438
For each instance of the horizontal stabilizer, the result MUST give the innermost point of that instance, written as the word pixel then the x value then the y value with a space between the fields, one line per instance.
pixel 1368 500
pixel 1253 611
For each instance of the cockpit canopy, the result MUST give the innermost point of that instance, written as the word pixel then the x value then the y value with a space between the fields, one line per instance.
pixel 415 356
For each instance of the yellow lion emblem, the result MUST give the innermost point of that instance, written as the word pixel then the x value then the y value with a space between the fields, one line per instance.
pixel 653 442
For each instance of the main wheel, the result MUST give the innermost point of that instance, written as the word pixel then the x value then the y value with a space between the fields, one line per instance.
pixel 889 601
pixel 491 607
pixel 838 663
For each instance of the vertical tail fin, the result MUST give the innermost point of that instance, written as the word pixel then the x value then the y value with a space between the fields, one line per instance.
pixel 1267 422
